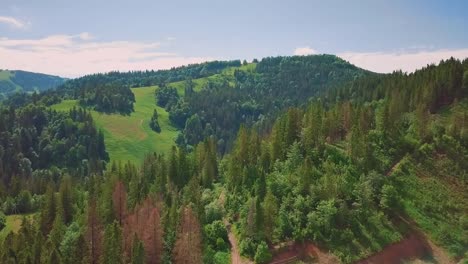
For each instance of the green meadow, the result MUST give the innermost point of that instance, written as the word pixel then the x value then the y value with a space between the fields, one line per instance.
pixel 227 73
pixel 129 137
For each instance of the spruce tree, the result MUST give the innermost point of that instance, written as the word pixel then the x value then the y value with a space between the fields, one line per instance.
pixel 138 252
pixel 112 244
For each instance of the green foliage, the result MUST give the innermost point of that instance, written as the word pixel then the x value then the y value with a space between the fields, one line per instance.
pixel 255 96
pixel 216 235
pixel 2 221
pixel 107 97
pixel 112 244
pixel 154 123
pixel 130 137
pixel 437 206
pixel 73 245
pixel 221 258
pixel 262 255
pixel 166 96
pixel 389 199
pixel 138 252
pixel 340 171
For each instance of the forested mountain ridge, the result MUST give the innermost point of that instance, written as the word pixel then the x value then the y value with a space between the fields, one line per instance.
pixel 23 81
pixel 255 97
pixel 242 93
pixel 351 166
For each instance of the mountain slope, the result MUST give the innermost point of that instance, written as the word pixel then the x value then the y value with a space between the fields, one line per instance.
pixel 129 137
pixel 16 81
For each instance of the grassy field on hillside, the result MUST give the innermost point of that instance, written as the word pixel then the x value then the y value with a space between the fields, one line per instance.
pixel 5 76
pixel 130 137
pixel 199 83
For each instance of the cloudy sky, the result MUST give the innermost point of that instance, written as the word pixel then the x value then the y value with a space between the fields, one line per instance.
pixel 73 38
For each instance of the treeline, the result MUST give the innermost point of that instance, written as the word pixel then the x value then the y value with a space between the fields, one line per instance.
pixel 255 97
pixel 37 145
pixel 431 88
pixel 106 97
pixel 149 78
pixel 115 94
pixel 337 174
pixel 159 213
pixel 27 82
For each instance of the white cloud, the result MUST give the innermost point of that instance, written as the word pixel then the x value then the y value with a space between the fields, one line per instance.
pixel 85 36
pixel 76 55
pixel 407 61
pixel 12 22
pixel 301 51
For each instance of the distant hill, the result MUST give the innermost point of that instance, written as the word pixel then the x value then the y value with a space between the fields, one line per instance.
pixel 17 81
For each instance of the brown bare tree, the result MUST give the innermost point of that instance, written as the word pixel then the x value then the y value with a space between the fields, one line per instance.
pixel 145 223
pixel 187 248
pixel 119 199
pixel 94 233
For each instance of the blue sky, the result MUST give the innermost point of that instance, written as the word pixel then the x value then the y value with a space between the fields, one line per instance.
pixel 72 38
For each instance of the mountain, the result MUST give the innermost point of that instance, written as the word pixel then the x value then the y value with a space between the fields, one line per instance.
pixel 243 93
pixel 23 81
pixel 306 159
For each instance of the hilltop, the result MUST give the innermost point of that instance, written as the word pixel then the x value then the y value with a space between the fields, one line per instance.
pixel 23 81
pixel 286 158
pixel 237 90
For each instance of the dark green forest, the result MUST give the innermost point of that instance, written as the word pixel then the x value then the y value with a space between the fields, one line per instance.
pixel 303 150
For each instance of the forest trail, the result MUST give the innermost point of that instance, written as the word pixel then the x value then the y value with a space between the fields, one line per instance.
pixel 394 167
pixel 236 258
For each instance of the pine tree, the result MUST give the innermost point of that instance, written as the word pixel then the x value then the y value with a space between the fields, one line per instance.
pixel 242 146
pixel 183 171
pixel 173 166
pixel 48 211
pixel 270 211
pixel 66 200
pixel 112 244
pixel 138 252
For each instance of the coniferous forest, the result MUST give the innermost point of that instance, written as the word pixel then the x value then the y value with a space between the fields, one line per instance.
pixel 280 160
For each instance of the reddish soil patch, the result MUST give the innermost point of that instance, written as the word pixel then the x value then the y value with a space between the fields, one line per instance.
pixel 293 251
pixel 411 247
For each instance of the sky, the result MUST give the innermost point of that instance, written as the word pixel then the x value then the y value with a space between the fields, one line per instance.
pixel 74 38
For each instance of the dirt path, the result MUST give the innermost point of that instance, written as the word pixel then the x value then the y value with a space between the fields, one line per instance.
pixel 393 168
pixel 438 253
pixel 414 247
pixel 236 258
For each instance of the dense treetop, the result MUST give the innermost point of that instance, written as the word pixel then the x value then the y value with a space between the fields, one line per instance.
pixel 299 150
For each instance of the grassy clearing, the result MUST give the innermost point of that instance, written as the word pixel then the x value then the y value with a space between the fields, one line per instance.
pixel 13 224
pixel 201 82
pixel 129 137
pixel 5 75
pixel 435 203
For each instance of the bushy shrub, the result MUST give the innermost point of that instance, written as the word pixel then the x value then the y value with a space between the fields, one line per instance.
pixel 263 254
